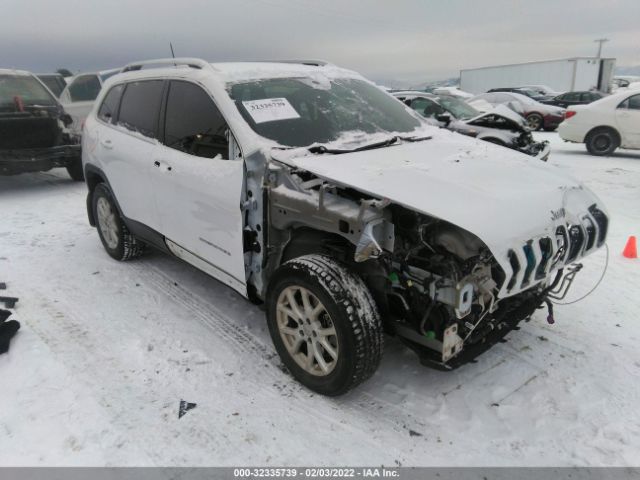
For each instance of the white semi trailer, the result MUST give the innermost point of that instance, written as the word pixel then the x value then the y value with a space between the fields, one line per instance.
pixel 564 75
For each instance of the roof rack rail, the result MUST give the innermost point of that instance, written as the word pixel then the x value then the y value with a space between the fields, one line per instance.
pixel 186 61
pixel 312 63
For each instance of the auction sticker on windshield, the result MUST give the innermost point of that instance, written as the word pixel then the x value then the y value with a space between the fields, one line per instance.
pixel 270 109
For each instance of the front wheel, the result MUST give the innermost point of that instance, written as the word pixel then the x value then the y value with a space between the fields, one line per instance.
pixel 324 324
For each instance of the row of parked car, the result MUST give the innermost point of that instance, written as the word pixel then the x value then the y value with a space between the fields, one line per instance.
pixel 603 122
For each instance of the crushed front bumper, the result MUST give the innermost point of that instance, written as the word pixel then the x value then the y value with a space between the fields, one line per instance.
pixel 539 150
pixel 13 162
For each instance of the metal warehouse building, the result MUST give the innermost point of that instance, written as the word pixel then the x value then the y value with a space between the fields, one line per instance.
pixel 564 75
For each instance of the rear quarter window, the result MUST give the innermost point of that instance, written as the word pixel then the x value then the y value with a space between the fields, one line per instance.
pixel 634 102
pixel 109 107
pixel 84 88
pixel 140 106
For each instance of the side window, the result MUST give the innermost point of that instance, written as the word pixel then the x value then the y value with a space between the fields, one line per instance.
pixel 140 105
pixel 193 123
pixel 110 104
pixel 572 97
pixel 84 88
pixel 427 108
pixel 634 102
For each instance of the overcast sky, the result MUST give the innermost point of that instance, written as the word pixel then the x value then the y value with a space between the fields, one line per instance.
pixel 404 40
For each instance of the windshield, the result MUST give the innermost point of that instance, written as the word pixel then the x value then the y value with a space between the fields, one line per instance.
pixel 24 89
pixel 458 108
pixel 299 112
pixel 54 83
pixel 528 92
pixel 523 99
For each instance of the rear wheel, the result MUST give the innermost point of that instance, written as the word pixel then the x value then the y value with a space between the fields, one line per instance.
pixel 535 121
pixel 324 324
pixel 116 238
pixel 603 141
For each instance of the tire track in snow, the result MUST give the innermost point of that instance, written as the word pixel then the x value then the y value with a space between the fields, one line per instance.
pixel 359 402
pixel 62 327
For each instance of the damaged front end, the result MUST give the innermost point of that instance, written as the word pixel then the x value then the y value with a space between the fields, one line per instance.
pixel 439 288
pixel 34 135
pixel 509 128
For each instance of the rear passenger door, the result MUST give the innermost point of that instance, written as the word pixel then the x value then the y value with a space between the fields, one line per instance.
pixel 127 148
pixel 198 185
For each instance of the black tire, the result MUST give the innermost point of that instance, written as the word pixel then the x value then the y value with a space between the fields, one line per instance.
pixel 535 121
pixel 75 170
pixel 602 141
pixel 125 246
pixel 351 311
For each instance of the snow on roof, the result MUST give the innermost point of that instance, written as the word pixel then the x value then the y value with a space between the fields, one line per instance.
pixel 10 71
pixel 243 71
pixel 234 72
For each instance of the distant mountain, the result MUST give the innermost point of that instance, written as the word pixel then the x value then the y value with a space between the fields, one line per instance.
pixel 628 70
pixel 449 82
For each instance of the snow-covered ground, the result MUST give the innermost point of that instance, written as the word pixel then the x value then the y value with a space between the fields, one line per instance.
pixel 107 350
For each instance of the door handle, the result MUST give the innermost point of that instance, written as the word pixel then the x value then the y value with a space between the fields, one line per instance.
pixel 107 144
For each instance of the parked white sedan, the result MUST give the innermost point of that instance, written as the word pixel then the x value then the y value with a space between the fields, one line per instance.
pixel 80 93
pixel 605 124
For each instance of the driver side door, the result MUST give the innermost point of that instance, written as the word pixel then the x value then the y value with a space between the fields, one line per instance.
pixel 198 187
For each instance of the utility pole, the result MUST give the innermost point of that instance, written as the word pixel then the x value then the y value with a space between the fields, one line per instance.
pixel 600 41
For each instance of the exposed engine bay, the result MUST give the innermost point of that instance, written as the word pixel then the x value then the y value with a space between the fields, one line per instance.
pixel 437 286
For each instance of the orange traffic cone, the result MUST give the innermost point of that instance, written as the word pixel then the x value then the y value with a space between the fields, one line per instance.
pixel 630 250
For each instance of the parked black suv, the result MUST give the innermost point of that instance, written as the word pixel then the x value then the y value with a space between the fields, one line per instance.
pixel 521 90
pixel 33 128
pixel 574 98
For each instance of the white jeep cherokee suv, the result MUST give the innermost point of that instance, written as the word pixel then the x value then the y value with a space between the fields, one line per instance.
pixel 306 187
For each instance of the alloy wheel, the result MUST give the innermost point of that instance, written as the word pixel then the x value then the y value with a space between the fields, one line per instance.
pixel 307 331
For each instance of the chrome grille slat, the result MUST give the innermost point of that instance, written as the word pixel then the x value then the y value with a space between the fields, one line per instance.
pixel 592 227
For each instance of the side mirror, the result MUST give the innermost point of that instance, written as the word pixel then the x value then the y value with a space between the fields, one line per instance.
pixel 444 118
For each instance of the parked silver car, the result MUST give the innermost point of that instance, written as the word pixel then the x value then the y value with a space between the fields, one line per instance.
pixel 539 116
pixel 501 125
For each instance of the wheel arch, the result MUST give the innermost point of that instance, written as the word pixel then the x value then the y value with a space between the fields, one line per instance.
pixel 93 176
pixel 311 241
pixel 610 128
